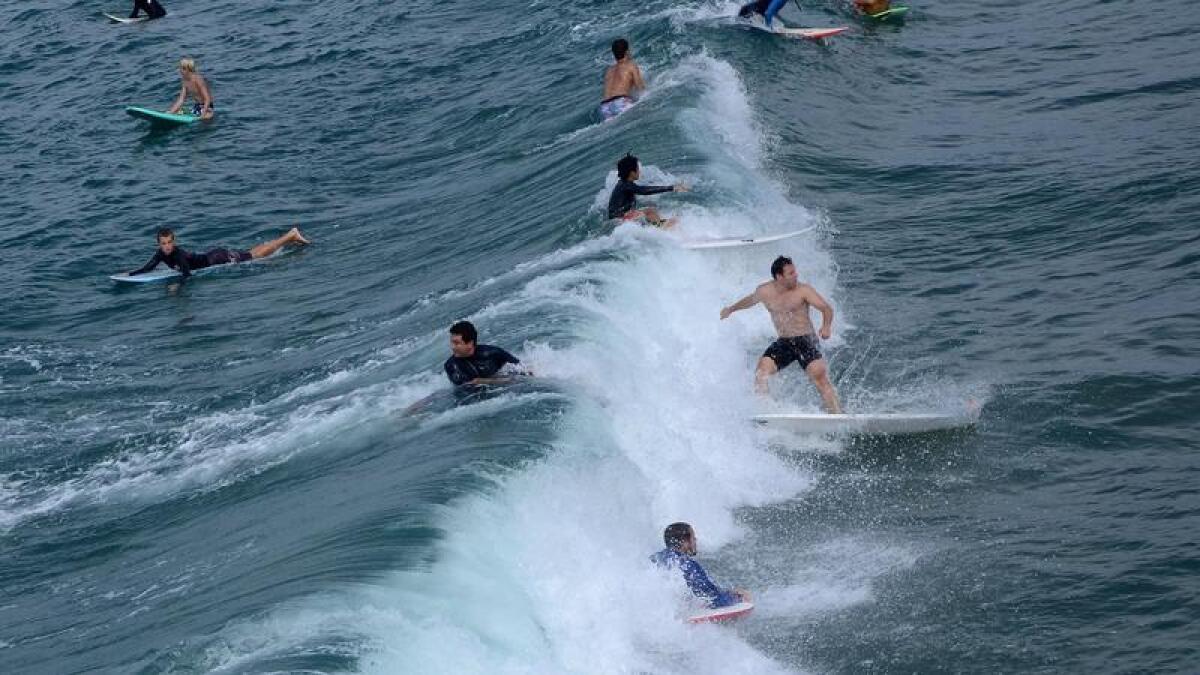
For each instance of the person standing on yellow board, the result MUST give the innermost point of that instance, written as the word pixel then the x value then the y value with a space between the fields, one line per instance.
pixel 194 85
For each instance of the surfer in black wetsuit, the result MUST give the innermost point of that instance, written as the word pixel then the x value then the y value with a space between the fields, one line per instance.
pixel 767 9
pixel 152 8
pixel 473 363
pixel 178 259
pixel 623 201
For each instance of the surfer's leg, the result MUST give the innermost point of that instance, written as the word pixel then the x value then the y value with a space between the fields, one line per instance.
pixel 818 372
pixel 292 237
pixel 772 10
pixel 766 368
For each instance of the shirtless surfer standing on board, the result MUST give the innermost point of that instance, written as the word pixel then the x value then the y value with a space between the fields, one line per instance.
pixel 621 80
pixel 194 84
pixel 787 300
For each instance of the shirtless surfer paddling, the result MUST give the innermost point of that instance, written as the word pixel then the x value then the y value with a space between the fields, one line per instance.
pixel 788 301
pixel 194 85
pixel 621 80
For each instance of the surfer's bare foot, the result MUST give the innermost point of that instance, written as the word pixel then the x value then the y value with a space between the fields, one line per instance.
pixel 295 236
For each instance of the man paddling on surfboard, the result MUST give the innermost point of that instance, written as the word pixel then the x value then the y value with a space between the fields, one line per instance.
pixel 193 84
pixel 788 301
pixel 622 203
pixel 152 8
pixel 473 363
pixel 178 259
pixel 680 539
pixel 621 80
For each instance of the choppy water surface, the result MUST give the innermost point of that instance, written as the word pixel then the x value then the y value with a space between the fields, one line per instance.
pixel 217 477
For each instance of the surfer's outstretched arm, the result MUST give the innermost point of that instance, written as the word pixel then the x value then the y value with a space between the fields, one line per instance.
pixel 821 305
pixel 745 303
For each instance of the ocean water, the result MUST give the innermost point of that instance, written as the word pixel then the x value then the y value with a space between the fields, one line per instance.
pixel 220 476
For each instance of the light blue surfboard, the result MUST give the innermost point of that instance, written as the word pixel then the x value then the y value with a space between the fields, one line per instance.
pixel 161 118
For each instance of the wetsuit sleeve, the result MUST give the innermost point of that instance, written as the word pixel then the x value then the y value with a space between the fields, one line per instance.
pixel 505 356
pixel 772 10
pixel 652 189
pixel 181 262
pixel 150 265
pixel 456 375
pixel 703 587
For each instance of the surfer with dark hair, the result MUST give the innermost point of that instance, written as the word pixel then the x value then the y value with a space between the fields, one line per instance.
pixel 788 302
pixel 680 539
pixel 152 8
pixel 178 259
pixel 767 9
pixel 472 363
pixel 622 203
pixel 621 80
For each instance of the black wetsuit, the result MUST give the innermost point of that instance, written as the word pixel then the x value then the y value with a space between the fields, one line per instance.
pixel 151 7
pixel 186 262
pixel 486 362
pixel 624 196
pixel 751 8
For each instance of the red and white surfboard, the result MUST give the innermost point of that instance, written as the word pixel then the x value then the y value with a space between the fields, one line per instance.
pixel 727 613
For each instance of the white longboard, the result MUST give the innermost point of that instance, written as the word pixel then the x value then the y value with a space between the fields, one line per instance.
pixel 811 33
pixel 807 33
pixel 124 19
pixel 727 613
pixel 864 423
pixel 698 244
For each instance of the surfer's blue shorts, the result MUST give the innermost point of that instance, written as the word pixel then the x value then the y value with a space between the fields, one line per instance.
pixel 802 348
pixel 610 108
pixel 198 109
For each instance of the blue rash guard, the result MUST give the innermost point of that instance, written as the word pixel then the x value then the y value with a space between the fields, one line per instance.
pixel 768 9
pixel 695 577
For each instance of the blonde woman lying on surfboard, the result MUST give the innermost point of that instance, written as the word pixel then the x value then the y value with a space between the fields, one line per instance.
pixel 193 84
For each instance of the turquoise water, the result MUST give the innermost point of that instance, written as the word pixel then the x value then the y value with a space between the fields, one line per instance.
pixel 218 477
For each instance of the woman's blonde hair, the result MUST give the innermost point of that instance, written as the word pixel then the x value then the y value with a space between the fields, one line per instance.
pixel 188 64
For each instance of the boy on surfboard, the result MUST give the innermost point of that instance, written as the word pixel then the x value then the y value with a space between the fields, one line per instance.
pixel 621 80
pixel 152 8
pixel 680 539
pixel 193 84
pixel 178 259
pixel 622 203
pixel 788 301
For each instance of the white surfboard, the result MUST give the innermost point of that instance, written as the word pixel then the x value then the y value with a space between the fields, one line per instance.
pixel 124 19
pixel 727 613
pixel 702 244
pixel 864 423
pixel 786 31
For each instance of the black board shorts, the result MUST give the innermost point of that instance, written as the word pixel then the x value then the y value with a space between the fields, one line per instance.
pixel 224 256
pixel 802 348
